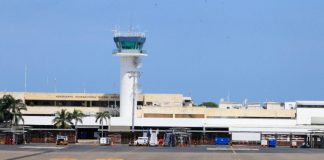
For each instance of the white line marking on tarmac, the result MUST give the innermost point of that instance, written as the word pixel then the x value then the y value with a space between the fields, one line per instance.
pixel 229 149
pixel 109 159
pixel 238 158
pixel 63 159
pixel 41 147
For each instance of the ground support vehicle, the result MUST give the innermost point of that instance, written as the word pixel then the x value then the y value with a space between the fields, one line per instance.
pixel 61 140
pixel 264 143
pixel 141 141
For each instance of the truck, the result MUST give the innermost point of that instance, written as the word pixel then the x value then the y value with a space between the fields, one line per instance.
pixel 141 141
pixel 105 141
pixel 264 143
pixel 293 144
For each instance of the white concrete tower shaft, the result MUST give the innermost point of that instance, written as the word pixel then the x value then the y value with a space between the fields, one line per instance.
pixel 128 80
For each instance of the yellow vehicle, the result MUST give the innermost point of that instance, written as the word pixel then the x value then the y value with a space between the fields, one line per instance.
pixel 61 140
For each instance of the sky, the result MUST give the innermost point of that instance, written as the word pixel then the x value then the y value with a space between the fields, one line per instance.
pixel 258 50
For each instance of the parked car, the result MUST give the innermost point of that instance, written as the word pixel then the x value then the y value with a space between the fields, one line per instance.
pixel 61 140
pixel 305 145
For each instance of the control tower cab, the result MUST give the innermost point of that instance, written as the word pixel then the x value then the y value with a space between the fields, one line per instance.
pixel 129 44
pixel 129 49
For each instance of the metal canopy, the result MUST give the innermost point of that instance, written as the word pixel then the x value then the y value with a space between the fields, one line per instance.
pixel 50 129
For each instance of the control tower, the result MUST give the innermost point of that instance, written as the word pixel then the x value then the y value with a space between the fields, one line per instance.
pixel 129 49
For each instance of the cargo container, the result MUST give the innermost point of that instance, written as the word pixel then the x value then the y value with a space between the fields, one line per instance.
pixel 272 143
pixel 221 141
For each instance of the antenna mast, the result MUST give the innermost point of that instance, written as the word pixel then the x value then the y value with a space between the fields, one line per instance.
pixel 55 89
pixel 25 78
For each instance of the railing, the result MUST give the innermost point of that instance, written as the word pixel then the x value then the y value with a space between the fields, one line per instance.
pixel 129 34
pixel 128 51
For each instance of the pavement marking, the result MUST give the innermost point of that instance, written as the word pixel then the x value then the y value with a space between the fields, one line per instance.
pixel 63 159
pixel 218 149
pixel 136 149
pixel 232 149
pixel 246 149
pixel 41 147
pixel 109 159
pixel 235 154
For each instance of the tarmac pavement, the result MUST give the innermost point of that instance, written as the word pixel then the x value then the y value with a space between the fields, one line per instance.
pixel 124 152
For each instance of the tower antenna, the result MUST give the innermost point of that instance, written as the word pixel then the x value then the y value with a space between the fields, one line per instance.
pixel 84 88
pixel 25 78
pixel 55 85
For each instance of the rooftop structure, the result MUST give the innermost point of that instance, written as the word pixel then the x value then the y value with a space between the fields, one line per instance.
pixel 274 105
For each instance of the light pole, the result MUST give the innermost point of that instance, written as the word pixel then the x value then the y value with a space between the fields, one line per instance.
pixel 204 133
pixel 24 138
pixel 134 75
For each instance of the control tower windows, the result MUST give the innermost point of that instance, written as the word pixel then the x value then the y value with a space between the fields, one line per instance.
pixel 129 43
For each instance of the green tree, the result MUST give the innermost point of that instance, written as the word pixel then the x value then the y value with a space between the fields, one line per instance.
pixel 209 104
pixel 101 116
pixel 63 119
pixel 10 112
pixel 77 116
pixel 4 112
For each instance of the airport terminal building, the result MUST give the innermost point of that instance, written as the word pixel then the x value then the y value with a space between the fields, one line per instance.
pixel 163 111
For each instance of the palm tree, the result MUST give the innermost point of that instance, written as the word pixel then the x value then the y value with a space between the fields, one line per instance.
pixel 10 111
pixel 4 113
pixel 77 116
pixel 63 119
pixel 101 116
